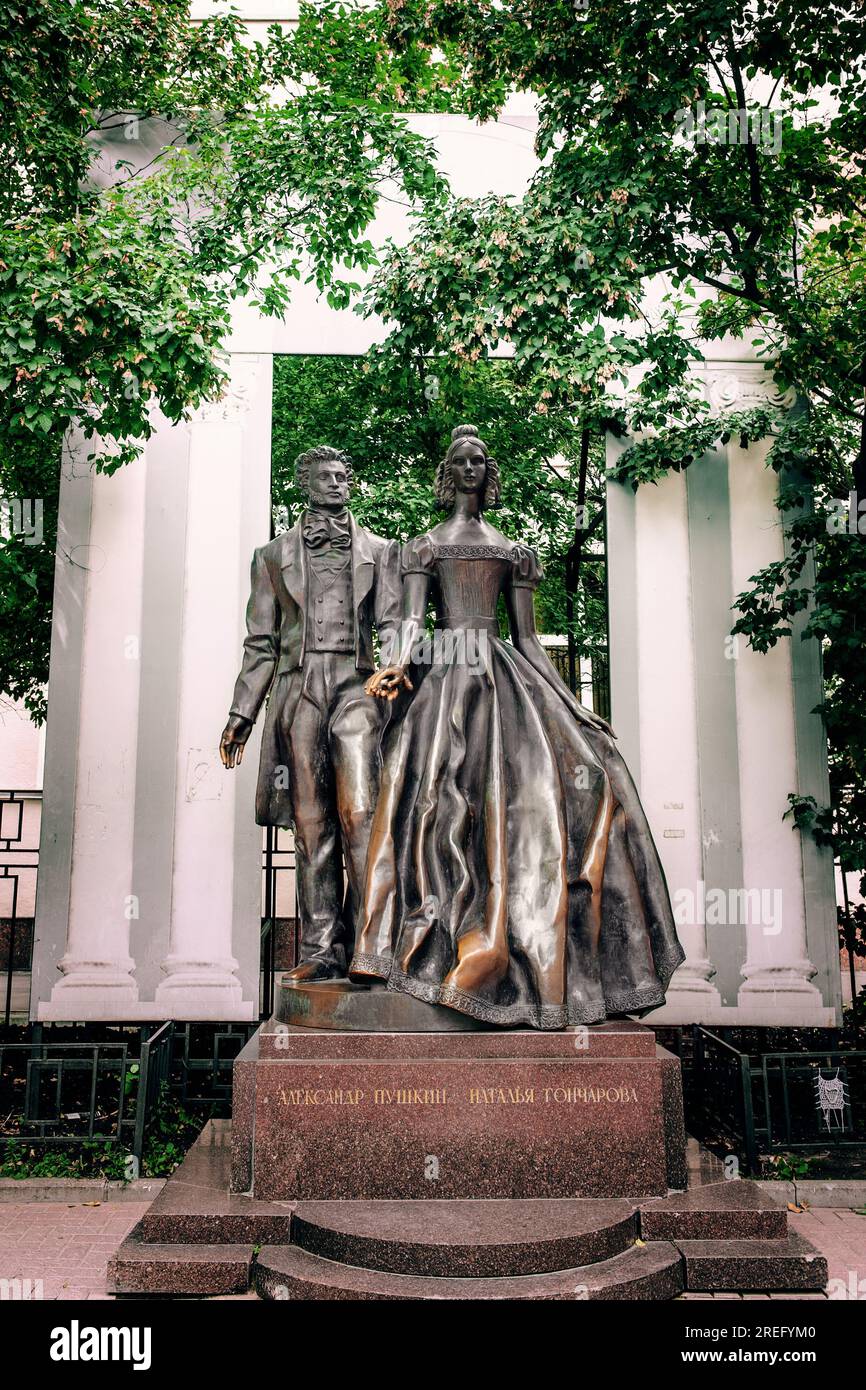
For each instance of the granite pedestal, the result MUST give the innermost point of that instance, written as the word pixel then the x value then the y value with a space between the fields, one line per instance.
pixel 581 1113
pixel 470 1164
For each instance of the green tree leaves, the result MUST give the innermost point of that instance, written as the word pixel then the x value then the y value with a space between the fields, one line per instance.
pixel 155 170
pixel 716 145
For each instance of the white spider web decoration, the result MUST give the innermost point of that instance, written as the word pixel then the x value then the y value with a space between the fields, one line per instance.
pixel 832 1097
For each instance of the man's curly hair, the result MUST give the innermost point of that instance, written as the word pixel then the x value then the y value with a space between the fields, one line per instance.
pixel 322 453
pixel 444 485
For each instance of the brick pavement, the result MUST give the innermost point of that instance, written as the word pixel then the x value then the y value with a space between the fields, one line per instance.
pixel 840 1235
pixel 66 1247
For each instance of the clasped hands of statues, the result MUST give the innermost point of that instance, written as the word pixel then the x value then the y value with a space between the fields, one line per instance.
pixel 388 681
pixel 384 684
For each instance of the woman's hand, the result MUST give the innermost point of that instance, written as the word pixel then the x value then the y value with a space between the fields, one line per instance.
pixel 388 682
pixel 595 721
pixel 527 643
pixel 586 716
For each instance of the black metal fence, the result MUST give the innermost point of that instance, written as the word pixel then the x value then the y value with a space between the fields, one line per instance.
pixel 776 1102
pixel 56 1091
pixel 153 1079
pixel 19 865
pixel 63 1093
pixel 202 1058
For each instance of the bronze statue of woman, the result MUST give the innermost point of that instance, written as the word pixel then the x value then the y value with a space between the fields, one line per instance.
pixel 511 873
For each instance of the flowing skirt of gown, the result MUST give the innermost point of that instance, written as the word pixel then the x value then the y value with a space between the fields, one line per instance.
pixel 512 874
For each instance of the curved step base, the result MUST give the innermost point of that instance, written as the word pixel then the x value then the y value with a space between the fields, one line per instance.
pixel 466 1239
pixel 646 1272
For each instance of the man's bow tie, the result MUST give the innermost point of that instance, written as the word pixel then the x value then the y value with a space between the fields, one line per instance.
pixel 320 531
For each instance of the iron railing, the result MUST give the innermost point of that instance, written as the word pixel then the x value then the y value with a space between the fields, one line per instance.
pixel 19 864
pixel 153 1079
pixel 201 1069
pixel 719 1099
pixel 61 1094
pixel 775 1102
pixel 811 1099
pixel 70 1092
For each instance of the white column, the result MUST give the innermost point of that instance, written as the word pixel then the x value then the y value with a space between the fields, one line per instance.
pixel 149 899
pixel 777 971
pixel 200 968
pixel 97 969
pixel 668 732
pixel 764 925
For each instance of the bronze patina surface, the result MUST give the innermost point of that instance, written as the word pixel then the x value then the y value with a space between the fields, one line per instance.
pixel 512 875
pixel 318 592
pixel 498 864
pixel 364 1008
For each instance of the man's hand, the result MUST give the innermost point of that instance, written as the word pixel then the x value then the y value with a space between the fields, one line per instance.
pixel 235 735
pixel 388 682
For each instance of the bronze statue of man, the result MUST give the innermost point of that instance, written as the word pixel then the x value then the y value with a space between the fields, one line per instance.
pixel 318 591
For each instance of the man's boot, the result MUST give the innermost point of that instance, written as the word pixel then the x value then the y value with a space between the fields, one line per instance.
pixel 322 957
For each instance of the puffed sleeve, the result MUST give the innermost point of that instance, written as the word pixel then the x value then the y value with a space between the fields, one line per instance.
pixel 526 572
pixel 418 556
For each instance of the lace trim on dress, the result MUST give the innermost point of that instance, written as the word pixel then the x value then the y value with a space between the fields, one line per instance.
pixel 548 1017
pixel 544 1016
pixel 371 965
pixel 471 552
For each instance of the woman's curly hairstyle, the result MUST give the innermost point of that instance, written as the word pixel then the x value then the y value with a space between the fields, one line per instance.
pixel 322 453
pixel 444 485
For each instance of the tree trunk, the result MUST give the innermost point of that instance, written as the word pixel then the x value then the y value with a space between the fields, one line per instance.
pixel 572 561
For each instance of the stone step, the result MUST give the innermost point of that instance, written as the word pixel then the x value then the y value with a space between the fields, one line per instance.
pixel 466 1239
pixel 238 1221
pixel 196 1207
pixel 646 1272
pixel 154 1268
pixel 754 1266
pixel 717 1211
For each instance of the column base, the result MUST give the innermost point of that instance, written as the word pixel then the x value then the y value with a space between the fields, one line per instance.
pixel 91 989
pixel 791 978
pixel 694 977
pixel 690 997
pixel 202 990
